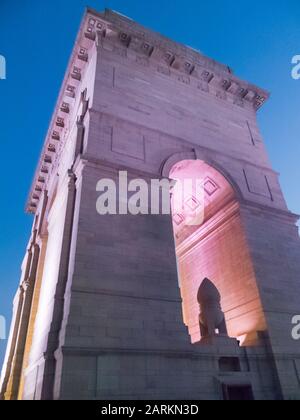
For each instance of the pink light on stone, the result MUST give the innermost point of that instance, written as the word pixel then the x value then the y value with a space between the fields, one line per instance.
pixel 214 192
pixel 215 249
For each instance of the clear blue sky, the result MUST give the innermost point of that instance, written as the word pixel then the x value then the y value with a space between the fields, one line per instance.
pixel 257 38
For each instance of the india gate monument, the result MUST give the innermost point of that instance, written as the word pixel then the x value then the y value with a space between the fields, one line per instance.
pixel 148 306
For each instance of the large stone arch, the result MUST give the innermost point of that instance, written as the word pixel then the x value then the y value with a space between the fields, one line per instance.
pixel 194 154
pixel 215 248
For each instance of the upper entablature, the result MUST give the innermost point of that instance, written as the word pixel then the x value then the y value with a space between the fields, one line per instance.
pixel 115 28
pixel 140 35
pixel 110 28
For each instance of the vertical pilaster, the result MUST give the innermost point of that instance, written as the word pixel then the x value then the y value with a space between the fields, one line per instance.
pixel 27 288
pixel 79 138
pixel 43 239
pixel 58 308
pixel 18 304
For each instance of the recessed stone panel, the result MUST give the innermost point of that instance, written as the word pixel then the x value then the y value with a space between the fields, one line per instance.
pixel 128 142
pixel 257 182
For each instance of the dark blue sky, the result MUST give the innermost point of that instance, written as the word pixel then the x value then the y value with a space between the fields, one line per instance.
pixel 257 38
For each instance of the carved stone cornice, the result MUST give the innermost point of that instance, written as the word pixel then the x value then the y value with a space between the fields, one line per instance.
pixel 134 42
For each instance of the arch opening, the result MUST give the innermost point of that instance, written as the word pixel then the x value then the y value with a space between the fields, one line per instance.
pixel 215 247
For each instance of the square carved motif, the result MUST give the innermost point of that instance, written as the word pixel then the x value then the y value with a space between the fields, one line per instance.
pixel 178 219
pixel 210 187
pixel 192 203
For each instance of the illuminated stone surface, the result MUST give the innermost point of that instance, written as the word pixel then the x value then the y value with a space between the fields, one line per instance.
pixel 99 314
